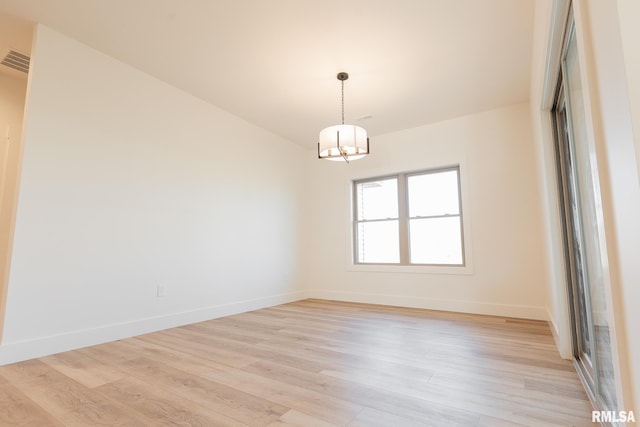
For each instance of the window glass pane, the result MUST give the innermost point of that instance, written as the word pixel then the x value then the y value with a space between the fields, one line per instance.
pixel 433 194
pixel 586 201
pixel 435 241
pixel 377 199
pixel 378 242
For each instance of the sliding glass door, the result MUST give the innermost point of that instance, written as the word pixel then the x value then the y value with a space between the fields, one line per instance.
pixel 582 231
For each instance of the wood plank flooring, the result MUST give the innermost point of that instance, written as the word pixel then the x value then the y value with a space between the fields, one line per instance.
pixel 310 363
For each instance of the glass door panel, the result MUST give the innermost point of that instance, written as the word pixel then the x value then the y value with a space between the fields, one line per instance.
pixel 580 200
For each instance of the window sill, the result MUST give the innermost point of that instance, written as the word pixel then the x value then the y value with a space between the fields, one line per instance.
pixel 411 269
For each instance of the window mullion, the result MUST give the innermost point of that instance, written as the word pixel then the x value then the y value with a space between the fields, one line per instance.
pixel 403 219
pixel 354 232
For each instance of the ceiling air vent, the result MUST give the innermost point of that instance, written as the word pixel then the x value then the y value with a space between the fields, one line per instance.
pixel 17 61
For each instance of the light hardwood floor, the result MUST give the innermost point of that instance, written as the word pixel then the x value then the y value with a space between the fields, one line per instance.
pixel 310 363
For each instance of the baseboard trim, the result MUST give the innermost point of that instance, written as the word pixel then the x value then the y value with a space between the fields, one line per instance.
pixel 24 350
pixel 459 306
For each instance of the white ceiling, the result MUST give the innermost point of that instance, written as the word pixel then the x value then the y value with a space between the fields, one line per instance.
pixel 274 62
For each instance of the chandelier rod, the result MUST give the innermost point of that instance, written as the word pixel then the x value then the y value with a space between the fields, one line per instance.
pixel 342 82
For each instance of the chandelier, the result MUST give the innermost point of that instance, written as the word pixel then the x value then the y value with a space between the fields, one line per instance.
pixel 343 142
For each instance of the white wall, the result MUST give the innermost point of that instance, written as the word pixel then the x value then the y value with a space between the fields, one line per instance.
pixel 605 63
pixel 12 97
pixel 549 27
pixel 628 12
pixel 507 273
pixel 128 183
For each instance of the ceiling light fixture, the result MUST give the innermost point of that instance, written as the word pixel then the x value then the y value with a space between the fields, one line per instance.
pixel 343 142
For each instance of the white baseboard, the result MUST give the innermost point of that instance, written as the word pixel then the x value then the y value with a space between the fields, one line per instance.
pixel 474 307
pixel 24 350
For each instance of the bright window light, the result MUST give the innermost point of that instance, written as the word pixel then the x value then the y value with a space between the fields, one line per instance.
pixel 409 219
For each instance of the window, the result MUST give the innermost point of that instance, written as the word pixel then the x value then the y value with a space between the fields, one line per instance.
pixel 409 219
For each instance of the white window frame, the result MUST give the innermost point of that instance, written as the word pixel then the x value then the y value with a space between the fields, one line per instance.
pixel 403 219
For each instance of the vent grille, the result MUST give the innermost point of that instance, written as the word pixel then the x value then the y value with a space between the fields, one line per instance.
pixel 17 61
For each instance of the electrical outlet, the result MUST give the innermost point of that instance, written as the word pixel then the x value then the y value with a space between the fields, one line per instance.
pixel 161 291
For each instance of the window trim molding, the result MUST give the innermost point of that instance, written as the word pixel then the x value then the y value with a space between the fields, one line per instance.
pixel 466 268
pixel 412 269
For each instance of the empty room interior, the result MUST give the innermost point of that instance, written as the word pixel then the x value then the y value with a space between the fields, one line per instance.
pixel 320 213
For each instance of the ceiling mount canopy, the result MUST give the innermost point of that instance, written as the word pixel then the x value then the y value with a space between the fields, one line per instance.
pixel 343 142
